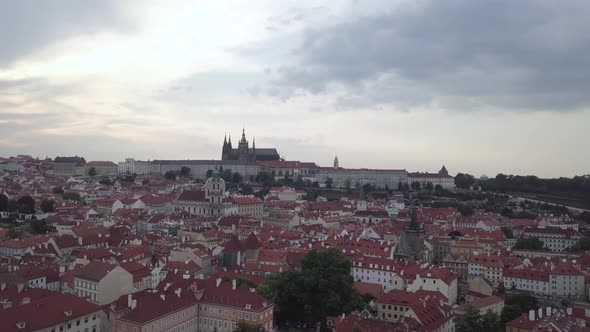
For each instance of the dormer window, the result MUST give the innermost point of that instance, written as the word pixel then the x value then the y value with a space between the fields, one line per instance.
pixel 248 306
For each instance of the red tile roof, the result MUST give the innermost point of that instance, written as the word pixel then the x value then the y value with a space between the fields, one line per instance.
pixel 95 271
pixel 45 312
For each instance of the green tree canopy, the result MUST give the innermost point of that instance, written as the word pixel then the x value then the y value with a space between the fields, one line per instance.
pixel 92 171
pixel 48 205
pixel 474 321
pixel 185 171
pixel 71 196
pixel 530 243
pixel 245 327
pixel 464 181
pixel 209 173
pixel 265 178
pixel 323 287
pixel 26 204
pixel 329 182
pixel 3 202
pixel 236 177
pixel 58 190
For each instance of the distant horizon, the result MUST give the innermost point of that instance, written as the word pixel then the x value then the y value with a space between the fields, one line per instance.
pixel 410 170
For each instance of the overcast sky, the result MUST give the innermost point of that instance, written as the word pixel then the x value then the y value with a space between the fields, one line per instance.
pixel 480 86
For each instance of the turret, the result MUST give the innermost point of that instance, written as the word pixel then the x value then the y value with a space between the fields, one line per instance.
pixel 336 162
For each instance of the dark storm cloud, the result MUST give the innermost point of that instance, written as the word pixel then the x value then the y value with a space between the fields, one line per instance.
pixel 460 54
pixel 29 25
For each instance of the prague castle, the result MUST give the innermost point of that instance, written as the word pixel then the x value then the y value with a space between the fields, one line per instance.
pixel 245 153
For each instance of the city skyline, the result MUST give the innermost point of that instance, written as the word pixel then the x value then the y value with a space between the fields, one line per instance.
pixel 368 81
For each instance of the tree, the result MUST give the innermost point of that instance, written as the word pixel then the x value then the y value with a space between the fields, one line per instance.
pixel 13 233
pixel 474 321
pixel 464 181
pixel 3 202
pixel 26 204
pixel 71 196
pixel 171 175
pixel 530 243
pixel 265 178
pixel 347 186
pixel 416 186
pixel 247 189
pixel 465 210
pixel 429 186
pixel 48 205
pixel 226 175
pixel 92 171
pixel 12 206
pixel 236 177
pixel 185 171
pixel 39 226
pixel 329 182
pixel 323 287
pixel 209 173
pixel 582 245
pixel 242 326
pixel 438 188
pixel 469 322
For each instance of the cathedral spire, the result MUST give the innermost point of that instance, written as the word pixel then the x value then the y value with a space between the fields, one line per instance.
pixel 224 139
pixel 243 140
pixel 229 141
pixel 253 142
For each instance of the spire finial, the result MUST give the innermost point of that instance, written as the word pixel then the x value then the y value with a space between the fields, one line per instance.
pixel 253 142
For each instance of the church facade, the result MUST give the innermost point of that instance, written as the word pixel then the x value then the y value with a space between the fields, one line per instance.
pixel 245 153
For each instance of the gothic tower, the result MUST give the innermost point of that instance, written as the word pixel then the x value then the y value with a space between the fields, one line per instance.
pixel 243 147
pixel 336 162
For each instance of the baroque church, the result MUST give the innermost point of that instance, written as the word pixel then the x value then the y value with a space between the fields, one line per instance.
pixel 245 153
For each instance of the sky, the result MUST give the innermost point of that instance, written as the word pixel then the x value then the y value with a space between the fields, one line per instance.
pixel 482 87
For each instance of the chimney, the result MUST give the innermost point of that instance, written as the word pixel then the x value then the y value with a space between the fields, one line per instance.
pixel 177 292
pixel 133 304
pixel 569 311
pixel 62 269
pixel 540 313
pixel 163 297
pixel 548 311
pixel 532 315
pixel 234 284
pixel 2 286
pixel 20 287
pixel 218 282
pixel 129 300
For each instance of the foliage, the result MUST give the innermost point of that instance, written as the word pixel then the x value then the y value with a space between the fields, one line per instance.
pixel 474 321
pixel 236 177
pixel 48 205
pixel 329 182
pixel 416 186
pixel 530 243
pixel 12 206
pixel 585 216
pixel 311 195
pixel 507 212
pixel 39 227
pixel 508 232
pixel 209 173
pixel 247 189
pixel 465 210
pixel 242 326
pixel 185 171
pixel 58 190
pixel 240 281
pixel 171 175
pixel 3 202
pixel 582 245
pixel 26 204
pixel 13 233
pixel 71 196
pixel 323 287
pixel 464 181
pixel 265 178
pixel 347 186
pixel 92 171
pixel 429 186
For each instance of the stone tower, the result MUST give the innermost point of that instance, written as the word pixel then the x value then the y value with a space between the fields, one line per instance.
pixel 336 162
pixel 243 147
pixel 214 194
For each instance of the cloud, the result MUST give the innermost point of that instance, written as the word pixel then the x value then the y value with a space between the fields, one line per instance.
pixel 29 25
pixel 458 54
